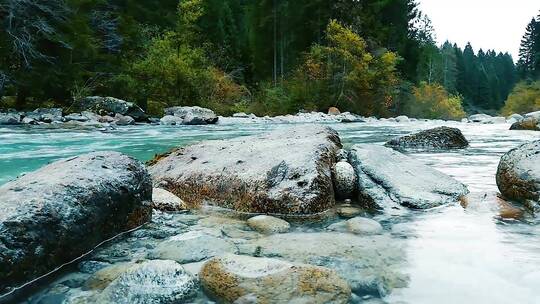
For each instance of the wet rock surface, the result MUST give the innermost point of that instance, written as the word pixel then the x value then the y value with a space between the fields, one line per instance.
pixel 344 180
pixel 268 224
pixel 286 171
pixel 111 106
pixel 165 201
pixel 265 280
pixel 370 264
pixel 158 281
pixel 518 174
pixel 530 123
pixel 440 138
pixel 10 118
pixel 364 226
pixel 61 211
pixel 193 246
pixel 388 179
pixel 190 116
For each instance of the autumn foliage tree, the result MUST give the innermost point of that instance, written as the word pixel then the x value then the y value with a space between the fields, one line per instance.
pixel 342 72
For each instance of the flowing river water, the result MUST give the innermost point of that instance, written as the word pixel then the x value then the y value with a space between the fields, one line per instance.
pixel 451 254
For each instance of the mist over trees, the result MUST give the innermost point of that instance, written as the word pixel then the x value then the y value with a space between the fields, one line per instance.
pixel 373 57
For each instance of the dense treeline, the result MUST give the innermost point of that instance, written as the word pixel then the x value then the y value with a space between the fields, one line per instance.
pixel 526 95
pixel 373 57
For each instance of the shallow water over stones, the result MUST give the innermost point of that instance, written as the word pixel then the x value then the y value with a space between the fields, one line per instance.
pixel 448 254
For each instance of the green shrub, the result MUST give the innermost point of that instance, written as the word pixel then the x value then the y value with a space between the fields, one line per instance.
pixel 524 98
pixel 432 101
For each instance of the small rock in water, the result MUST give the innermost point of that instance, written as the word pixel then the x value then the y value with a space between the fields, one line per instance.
pixel 268 224
pixel 348 211
pixel 165 201
pixel 103 277
pixel 9 118
pixel 122 120
pixel 364 226
pixel 514 118
pixel 437 138
pixel 193 246
pixel 234 277
pixel 344 180
pixel 528 123
pixel 402 118
pixel 333 111
pixel 152 282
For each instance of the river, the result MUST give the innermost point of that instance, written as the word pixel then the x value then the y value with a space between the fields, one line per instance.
pixel 453 254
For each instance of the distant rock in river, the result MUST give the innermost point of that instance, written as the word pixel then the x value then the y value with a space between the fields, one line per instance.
pixel 436 139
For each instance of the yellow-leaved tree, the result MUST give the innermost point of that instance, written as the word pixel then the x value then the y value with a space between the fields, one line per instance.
pixel 432 101
pixel 343 73
pixel 524 98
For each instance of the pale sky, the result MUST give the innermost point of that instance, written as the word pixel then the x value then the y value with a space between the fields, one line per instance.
pixel 487 24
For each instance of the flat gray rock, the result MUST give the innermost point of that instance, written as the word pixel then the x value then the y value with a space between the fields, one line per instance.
pixel 193 246
pixel 389 179
pixel 518 174
pixel 64 209
pixel 288 171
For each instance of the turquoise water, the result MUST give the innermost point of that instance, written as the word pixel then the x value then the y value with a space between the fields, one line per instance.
pixel 454 255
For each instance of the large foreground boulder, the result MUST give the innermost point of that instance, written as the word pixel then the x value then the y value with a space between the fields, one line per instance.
pixel 192 115
pixel 287 171
pixel 61 211
pixel 518 175
pixel 389 179
pixel 234 279
pixel 433 139
pixel 110 106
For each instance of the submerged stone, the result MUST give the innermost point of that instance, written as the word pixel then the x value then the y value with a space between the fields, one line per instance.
pixel 232 277
pixel 151 282
pixel 268 224
pixel 364 226
pixel 288 171
pixel 62 210
pixel 372 265
pixel 193 246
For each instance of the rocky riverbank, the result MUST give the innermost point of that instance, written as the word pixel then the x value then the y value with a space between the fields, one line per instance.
pixel 109 112
pixel 220 247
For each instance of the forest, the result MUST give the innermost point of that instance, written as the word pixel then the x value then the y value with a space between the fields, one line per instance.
pixel 268 57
